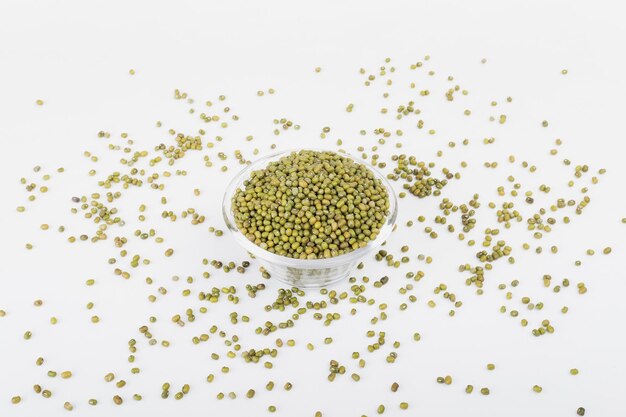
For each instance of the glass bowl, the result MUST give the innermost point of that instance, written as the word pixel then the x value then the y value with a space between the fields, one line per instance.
pixel 305 273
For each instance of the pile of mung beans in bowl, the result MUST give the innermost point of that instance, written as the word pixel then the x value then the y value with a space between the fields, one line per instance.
pixel 309 215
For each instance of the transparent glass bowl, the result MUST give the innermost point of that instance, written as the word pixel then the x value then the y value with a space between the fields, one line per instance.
pixel 305 273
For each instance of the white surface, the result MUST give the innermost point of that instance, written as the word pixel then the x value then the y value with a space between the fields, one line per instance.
pixel 75 55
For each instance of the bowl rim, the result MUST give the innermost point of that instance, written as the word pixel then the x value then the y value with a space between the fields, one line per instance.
pixel 334 261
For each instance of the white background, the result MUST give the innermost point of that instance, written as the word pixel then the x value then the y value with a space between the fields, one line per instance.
pixel 75 55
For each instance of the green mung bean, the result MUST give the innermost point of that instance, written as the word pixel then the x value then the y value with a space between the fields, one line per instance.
pixel 300 188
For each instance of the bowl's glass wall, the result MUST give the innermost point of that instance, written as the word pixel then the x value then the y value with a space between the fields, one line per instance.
pixel 305 272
